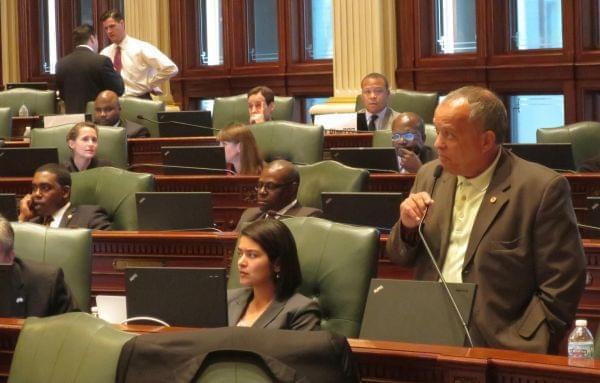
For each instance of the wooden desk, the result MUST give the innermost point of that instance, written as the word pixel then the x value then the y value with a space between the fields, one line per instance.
pixel 380 361
pixel 20 123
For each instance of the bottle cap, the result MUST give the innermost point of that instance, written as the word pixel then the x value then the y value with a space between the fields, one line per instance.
pixel 581 323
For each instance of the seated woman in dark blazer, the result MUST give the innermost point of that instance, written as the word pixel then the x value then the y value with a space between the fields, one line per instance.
pixel 241 152
pixel 270 271
pixel 83 142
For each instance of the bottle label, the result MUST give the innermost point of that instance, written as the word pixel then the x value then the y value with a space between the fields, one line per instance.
pixel 581 350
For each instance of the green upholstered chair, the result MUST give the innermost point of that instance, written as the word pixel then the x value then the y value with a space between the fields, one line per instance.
pixel 112 143
pixel 295 142
pixel 402 100
pixel 67 348
pixel 70 249
pixel 584 138
pixel 328 176
pixel 5 123
pixel 131 107
pixel 235 109
pixel 337 263
pixel 113 189
pixel 38 102
pixel 383 138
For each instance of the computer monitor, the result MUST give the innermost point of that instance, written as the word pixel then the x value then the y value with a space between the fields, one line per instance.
pixel 29 85
pixel 379 210
pixel 373 159
pixel 181 124
pixel 22 162
pixel 593 205
pixel 174 211
pixel 194 160
pixel 557 156
pixel 186 297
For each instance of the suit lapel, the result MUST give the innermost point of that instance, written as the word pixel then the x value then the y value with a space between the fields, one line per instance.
pixel 236 309
pixel 442 209
pixel 270 314
pixel 493 201
pixel 67 217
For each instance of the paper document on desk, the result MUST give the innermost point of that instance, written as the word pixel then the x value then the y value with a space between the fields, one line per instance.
pixel 112 308
pixel 337 121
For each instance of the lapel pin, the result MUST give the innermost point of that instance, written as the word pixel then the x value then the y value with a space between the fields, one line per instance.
pixel 70 216
pixel 20 300
pixel 493 200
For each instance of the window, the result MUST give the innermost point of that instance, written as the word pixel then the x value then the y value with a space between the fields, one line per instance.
pixel 48 32
pixel 318 29
pixel 210 32
pixel 455 26
pixel 262 36
pixel 536 24
pixel 86 12
pixel 531 112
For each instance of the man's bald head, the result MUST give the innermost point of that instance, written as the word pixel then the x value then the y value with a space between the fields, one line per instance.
pixel 277 185
pixel 284 169
pixel 107 110
pixel 405 126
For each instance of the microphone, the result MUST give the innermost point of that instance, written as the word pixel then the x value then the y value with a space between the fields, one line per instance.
pixel 142 117
pixel 436 174
pixel 181 167
pixel 273 213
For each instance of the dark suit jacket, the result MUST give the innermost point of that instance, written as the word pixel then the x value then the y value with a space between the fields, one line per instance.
pixel 95 163
pixel 289 356
pixel 295 313
pixel 34 289
pixel 81 75
pixel 524 253
pixel 253 213
pixel 388 118
pixel 83 216
pixel 134 130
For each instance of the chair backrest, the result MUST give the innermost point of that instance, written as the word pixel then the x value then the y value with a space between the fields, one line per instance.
pixel 38 102
pixel 584 138
pixel 328 176
pixel 114 190
pixel 131 107
pixel 295 142
pixel 112 143
pixel 5 123
pixel 70 249
pixel 403 100
pixel 235 109
pixel 337 263
pixel 383 138
pixel 67 348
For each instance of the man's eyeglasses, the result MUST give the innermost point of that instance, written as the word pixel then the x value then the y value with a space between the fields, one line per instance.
pixel 408 136
pixel 269 186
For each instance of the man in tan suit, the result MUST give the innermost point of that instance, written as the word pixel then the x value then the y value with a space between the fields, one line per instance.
pixel 498 221
pixel 375 92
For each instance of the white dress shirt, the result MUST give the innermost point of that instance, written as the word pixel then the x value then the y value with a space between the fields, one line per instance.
pixel 144 66
pixel 58 215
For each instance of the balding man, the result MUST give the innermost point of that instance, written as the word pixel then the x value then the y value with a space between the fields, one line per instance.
pixel 276 194
pixel 408 137
pixel 107 112
pixel 498 221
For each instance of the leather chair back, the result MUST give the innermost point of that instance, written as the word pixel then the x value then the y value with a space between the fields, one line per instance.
pixel 235 109
pixel 383 138
pixel 337 263
pixel 131 107
pixel 583 136
pixel 38 102
pixel 112 143
pixel 5 123
pixel 403 100
pixel 70 249
pixel 292 141
pixel 113 189
pixel 67 348
pixel 328 176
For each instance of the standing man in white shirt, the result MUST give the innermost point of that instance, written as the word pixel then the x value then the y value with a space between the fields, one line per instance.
pixel 142 65
pixel 375 92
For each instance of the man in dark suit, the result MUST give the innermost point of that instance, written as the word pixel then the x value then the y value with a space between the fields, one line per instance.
pixel 29 288
pixel 375 92
pixel 498 221
pixel 408 138
pixel 107 112
pixel 49 202
pixel 276 194
pixel 83 73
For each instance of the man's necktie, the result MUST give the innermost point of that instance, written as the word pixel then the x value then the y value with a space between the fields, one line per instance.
pixel 371 125
pixel 48 220
pixel 117 60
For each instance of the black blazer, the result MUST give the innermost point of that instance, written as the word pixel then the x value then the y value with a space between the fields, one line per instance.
pixel 254 213
pixel 81 75
pixel 95 163
pixel 34 289
pixel 83 216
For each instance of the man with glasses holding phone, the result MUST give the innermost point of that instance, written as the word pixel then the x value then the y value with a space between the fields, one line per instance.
pixel 408 137
pixel 276 195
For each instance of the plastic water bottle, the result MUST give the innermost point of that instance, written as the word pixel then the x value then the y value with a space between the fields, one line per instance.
pixel 581 341
pixel 23 111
